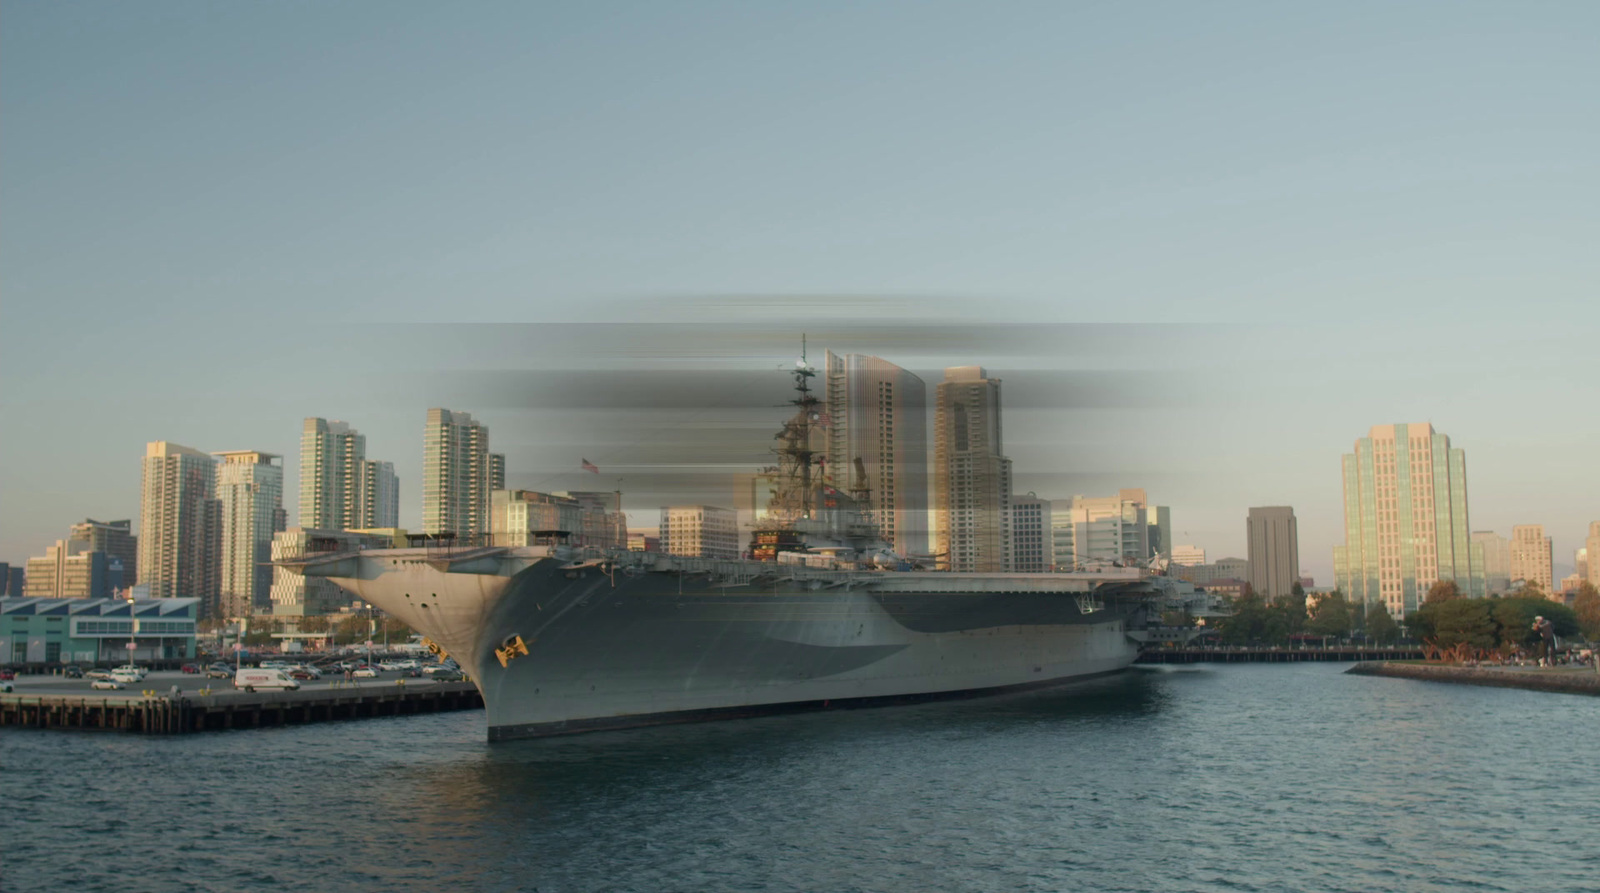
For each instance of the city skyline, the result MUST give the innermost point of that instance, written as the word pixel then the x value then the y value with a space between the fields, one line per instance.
pixel 638 511
pixel 1369 253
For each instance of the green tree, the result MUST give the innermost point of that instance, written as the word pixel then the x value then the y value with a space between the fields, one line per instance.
pixel 1381 628
pixel 1246 621
pixel 1587 608
pixel 1442 591
pixel 314 623
pixel 1514 617
pixel 1466 621
pixel 1332 616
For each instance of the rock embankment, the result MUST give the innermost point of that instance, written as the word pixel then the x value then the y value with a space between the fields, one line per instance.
pixel 1577 681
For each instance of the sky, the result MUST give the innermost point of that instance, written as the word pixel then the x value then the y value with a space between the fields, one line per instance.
pixel 1286 223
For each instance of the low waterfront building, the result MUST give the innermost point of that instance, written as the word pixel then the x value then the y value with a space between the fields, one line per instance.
pixel 295 595
pixel 69 569
pixel 699 531
pixel 1088 530
pixel 1191 556
pixel 582 518
pixel 1031 550
pixel 91 630
pixel 1206 574
pixel 115 538
pixel 643 540
pixel 1531 557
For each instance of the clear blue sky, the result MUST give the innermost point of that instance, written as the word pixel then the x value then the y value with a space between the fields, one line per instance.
pixel 1367 213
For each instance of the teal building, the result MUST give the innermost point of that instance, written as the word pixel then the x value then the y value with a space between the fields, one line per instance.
pixel 1405 518
pixel 96 630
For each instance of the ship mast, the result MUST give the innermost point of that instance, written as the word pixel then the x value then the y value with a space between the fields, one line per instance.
pixel 794 498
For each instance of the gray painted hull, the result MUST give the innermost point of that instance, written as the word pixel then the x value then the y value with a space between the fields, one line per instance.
pixel 616 650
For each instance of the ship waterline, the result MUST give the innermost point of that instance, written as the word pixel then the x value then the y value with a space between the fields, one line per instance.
pixel 561 640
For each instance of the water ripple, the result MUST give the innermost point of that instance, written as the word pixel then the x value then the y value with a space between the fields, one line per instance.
pixel 1238 778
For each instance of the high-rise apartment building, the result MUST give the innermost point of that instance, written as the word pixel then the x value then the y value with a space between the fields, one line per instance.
pixel 380 496
pixel 179 524
pixel 699 531
pixel 340 488
pixel 971 475
pixel 1274 556
pixel 1496 561
pixel 1405 517
pixel 250 496
pixel 332 459
pixel 1102 529
pixel 458 475
pixel 1532 557
pixel 1592 546
pixel 115 539
pixel 876 412
pixel 1031 551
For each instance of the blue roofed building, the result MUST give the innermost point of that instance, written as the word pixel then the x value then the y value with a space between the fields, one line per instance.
pixel 90 630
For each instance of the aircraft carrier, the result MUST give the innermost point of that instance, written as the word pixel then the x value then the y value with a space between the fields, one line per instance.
pixel 559 641
pixel 565 637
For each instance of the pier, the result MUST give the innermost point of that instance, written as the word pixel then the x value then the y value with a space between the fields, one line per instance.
pixel 150 713
pixel 1250 654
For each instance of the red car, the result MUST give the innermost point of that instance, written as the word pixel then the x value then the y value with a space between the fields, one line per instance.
pixel 191 668
pixel 7 675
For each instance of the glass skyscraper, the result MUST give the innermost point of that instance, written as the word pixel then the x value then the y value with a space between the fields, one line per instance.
pixel 1405 519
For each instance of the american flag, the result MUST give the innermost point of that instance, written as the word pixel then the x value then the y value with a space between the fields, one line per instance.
pixel 590 466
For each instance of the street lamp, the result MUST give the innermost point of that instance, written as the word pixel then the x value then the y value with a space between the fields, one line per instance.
pixel 238 646
pixel 133 627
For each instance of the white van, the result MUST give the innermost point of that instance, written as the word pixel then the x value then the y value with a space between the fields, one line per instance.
pixel 251 679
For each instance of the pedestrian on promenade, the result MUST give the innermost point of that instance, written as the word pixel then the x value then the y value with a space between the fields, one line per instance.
pixel 1547 637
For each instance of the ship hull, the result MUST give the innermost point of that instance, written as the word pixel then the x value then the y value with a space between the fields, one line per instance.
pixel 608 650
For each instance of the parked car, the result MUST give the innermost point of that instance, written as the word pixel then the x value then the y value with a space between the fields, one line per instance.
pixel 307 668
pixel 365 672
pixel 72 671
pixel 106 685
pixel 449 676
pixel 131 670
pixel 98 675
pixel 125 677
pixel 191 669
pixel 7 688
pixel 219 671
pixel 7 675
pixel 300 674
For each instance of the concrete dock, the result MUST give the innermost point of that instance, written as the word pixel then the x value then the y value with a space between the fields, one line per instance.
pixel 148 710
pixel 1567 680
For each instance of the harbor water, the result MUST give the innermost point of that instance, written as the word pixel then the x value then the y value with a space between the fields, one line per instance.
pixel 1199 777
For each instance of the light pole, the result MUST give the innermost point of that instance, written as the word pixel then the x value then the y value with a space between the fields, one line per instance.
pixel 133 627
pixel 238 646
